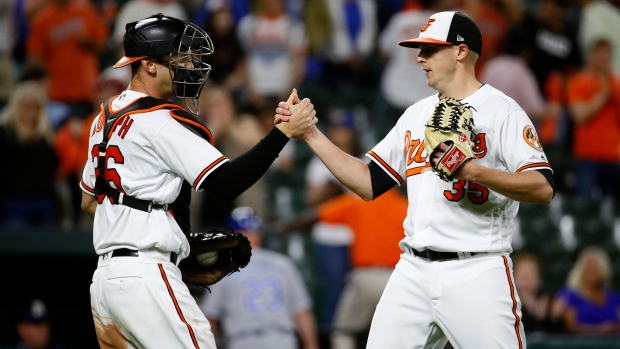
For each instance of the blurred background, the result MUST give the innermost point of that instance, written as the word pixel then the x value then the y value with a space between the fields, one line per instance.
pixel 559 59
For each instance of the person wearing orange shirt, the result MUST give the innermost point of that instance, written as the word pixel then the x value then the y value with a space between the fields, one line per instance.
pixel 377 228
pixel 66 37
pixel 594 104
pixel 71 146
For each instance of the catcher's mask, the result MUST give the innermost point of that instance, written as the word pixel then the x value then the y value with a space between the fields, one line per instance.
pixel 183 45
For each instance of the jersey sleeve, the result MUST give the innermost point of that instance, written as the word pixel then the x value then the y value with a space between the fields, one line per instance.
pixel 189 155
pixel 87 183
pixel 389 154
pixel 521 149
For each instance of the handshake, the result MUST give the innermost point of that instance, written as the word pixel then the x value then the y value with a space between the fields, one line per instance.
pixel 295 117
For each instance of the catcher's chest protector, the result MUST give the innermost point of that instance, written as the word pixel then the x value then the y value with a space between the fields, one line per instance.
pixel 180 207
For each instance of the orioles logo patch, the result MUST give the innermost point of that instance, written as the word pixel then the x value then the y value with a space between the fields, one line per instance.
pixel 428 24
pixel 531 138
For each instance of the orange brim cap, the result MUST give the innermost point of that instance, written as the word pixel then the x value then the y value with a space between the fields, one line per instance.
pixel 127 60
pixel 415 43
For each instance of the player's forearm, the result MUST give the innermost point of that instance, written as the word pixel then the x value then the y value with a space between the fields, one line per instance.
pixel 349 170
pixel 89 204
pixel 306 327
pixel 527 186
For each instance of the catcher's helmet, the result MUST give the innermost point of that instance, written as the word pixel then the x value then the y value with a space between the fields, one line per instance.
pixel 243 219
pixel 186 44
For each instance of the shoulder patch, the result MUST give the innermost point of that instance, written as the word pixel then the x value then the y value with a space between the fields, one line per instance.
pixel 531 138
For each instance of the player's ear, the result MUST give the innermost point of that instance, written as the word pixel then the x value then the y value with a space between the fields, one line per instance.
pixel 148 65
pixel 462 52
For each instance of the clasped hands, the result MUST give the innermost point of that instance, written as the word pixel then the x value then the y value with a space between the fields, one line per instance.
pixel 295 117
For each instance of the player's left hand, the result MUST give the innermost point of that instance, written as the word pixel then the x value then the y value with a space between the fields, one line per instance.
pixel 463 172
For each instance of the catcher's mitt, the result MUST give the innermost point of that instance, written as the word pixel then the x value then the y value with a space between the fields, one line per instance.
pixel 450 123
pixel 233 252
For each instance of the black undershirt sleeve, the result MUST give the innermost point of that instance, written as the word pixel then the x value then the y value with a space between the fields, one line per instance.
pixel 549 175
pixel 381 181
pixel 236 176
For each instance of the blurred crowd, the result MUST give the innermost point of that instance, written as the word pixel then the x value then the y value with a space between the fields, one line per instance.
pixel 559 59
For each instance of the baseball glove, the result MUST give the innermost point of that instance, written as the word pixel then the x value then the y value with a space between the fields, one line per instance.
pixel 452 123
pixel 213 256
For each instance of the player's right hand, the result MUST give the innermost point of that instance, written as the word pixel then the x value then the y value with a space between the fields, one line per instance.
pixel 283 110
pixel 303 116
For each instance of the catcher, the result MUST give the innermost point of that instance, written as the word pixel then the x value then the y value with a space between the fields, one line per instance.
pixel 145 155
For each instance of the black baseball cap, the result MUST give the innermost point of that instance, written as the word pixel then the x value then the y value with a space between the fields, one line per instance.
pixel 448 28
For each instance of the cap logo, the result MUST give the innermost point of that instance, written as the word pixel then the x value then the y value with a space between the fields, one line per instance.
pixel 459 38
pixel 428 24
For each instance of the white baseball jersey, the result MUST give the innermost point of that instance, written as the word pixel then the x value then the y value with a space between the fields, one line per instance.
pixel 149 156
pixel 461 216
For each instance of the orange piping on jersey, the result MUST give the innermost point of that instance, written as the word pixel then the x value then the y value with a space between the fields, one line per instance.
pixel 417 170
pixel 159 106
pixel 195 124
pixel 386 166
pixel 514 302
pixel 207 170
pixel 176 305
pixel 139 111
pixel 88 189
pixel 538 164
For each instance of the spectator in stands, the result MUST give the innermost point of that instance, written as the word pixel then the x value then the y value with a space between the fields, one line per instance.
pixel 34 328
pixel 28 162
pixel 266 304
pixel 275 45
pixel 227 62
pixel 493 24
pixel 238 9
pixel 373 255
pixel 71 143
pixel 594 102
pixel 234 134
pixel 553 41
pixel 599 19
pixel 135 10
pixel 8 38
pixel 66 37
pixel 350 44
pixel 403 82
pixel 535 303
pixel 509 72
pixel 587 304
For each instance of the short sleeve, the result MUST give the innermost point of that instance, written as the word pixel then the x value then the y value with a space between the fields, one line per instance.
pixel 521 149
pixel 189 155
pixel 389 154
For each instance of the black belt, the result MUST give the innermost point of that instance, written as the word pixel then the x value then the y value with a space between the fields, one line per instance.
pixel 125 252
pixel 436 256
